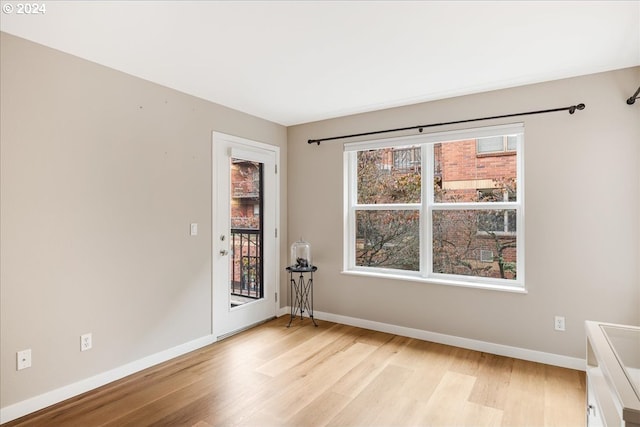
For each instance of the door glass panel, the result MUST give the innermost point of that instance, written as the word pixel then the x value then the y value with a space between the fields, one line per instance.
pixel 246 204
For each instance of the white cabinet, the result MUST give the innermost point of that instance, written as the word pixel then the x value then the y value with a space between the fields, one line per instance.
pixel 613 375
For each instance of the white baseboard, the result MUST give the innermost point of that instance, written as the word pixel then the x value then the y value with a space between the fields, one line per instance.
pixel 486 347
pixel 36 403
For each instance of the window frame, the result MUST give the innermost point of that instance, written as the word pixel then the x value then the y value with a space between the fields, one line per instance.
pixel 428 205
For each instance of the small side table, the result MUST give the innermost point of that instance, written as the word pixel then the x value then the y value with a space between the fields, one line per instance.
pixel 301 291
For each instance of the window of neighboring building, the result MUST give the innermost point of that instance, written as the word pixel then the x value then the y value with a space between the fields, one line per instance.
pixel 429 208
pixel 406 159
pixel 497 144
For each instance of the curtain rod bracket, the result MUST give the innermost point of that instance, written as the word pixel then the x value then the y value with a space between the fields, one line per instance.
pixel 572 109
pixel 633 98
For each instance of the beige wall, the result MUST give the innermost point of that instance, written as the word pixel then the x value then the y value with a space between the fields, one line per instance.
pixel 101 175
pixel 582 210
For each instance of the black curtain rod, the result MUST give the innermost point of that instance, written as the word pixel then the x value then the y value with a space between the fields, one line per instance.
pixel 634 97
pixel 572 109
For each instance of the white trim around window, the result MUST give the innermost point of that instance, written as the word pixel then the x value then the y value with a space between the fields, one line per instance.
pixel 426 208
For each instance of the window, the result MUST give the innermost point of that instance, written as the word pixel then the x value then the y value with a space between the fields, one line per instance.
pixel 497 144
pixel 406 159
pixel 429 208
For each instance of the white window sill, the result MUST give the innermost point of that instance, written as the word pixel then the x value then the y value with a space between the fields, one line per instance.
pixel 474 285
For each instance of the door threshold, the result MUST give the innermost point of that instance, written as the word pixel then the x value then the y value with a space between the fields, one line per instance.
pixel 253 325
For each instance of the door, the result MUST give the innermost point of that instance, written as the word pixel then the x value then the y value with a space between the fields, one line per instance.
pixel 245 243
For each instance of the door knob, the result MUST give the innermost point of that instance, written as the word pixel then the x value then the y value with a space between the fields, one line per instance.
pixel 224 252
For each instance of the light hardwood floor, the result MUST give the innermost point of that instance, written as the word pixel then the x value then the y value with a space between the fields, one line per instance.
pixel 333 375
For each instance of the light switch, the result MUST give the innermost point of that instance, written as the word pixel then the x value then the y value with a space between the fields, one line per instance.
pixel 194 228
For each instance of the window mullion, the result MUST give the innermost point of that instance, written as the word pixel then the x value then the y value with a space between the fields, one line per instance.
pixel 475 206
pixel 426 240
pixel 387 207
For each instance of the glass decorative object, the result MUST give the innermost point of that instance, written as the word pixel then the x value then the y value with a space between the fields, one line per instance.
pixel 301 254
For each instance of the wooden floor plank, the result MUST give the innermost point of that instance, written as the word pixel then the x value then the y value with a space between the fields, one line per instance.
pixel 200 397
pixel 277 343
pixel 299 352
pixel 434 361
pixel 482 416
pixel 342 337
pixel 448 400
pixel 334 375
pixel 304 390
pixel 492 381
pixel 525 395
pixel 319 411
pixel 377 400
pixel 360 376
pixel 562 387
pixel 465 361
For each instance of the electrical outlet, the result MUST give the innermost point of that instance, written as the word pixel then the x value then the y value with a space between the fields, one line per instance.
pixel 559 323
pixel 85 342
pixel 23 359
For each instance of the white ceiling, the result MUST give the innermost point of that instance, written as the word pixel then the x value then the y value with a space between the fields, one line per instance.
pixel 293 62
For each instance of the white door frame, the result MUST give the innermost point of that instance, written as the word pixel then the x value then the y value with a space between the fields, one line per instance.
pixel 217 228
